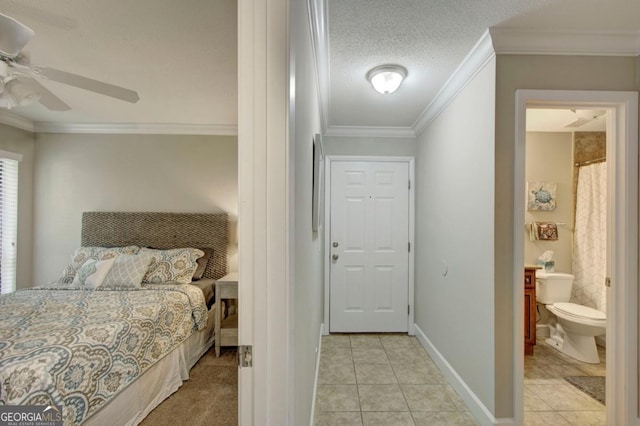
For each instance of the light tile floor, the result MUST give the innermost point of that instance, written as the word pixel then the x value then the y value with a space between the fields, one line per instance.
pixel 551 400
pixel 383 379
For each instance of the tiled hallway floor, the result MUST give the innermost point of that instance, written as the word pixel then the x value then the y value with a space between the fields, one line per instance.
pixel 383 380
pixel 551 400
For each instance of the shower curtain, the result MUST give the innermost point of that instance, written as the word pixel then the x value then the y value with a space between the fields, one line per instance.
pixel 590 237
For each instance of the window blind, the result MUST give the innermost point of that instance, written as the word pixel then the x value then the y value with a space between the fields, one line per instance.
pixel 8 222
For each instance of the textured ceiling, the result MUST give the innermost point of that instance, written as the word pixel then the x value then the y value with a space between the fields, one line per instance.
pixel 181 57
pixel 431 38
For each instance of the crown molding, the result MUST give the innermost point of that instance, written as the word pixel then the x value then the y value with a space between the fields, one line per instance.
pixel 13 120
pixel 137 128
pixel 475 60
pixel 511 41
pixel 370 132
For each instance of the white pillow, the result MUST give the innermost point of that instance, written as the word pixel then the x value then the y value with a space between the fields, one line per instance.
pixel 92 272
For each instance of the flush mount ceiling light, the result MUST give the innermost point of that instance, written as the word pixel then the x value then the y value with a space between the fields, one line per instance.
pixel 387 78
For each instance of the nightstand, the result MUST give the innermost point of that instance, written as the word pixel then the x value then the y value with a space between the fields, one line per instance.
pixel 226 330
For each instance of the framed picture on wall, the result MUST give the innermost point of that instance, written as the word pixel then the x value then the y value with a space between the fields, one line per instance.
pixel 318 177
pixel 541 196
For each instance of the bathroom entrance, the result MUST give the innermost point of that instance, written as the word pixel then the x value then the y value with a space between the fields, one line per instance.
pixel 577 223
pixel 565 238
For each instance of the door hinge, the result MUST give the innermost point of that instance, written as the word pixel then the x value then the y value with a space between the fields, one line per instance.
pixel 607 282
pixel 245 356
pixel 408 309
pixel 409 247
pixel 409 184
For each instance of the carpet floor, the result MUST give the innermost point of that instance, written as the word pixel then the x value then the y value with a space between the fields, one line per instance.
pixel 593 386
pixel 209 397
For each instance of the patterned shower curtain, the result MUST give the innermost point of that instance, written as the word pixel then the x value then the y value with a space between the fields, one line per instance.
pixel 590 237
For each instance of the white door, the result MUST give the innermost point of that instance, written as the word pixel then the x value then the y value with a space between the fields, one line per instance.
pixel 369 247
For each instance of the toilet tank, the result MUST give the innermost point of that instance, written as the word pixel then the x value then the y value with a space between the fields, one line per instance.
pixel 553 287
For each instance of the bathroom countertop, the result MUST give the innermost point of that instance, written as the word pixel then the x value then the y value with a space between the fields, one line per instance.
pixel 532 266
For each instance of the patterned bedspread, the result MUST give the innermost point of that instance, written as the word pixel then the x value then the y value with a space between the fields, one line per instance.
pixel 78 348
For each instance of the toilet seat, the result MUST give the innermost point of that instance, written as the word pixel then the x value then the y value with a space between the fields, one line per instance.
pixel 580 312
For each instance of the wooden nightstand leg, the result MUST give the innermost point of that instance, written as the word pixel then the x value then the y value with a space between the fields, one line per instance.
pixel 218 321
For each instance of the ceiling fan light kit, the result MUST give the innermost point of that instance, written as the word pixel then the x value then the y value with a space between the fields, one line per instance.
pixel 386 78
pixel 19 84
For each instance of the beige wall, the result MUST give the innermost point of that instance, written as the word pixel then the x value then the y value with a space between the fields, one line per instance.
pixel 549 159
pixel 77 172
pixel 515 72
pixel 403 147
pixel 454 230
pixel 22 142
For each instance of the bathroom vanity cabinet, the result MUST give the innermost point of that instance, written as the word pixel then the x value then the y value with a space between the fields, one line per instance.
pixel 529 310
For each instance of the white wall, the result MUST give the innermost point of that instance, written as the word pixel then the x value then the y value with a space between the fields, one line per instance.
pixel 404 147
pixel 306 258
pixel 515 72
pixel 22 142
pixel 75 173
pixel 549 159
pixel 454 227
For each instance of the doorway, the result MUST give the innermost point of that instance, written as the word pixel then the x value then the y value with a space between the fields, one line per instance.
pixel 368 237
pixel 622 222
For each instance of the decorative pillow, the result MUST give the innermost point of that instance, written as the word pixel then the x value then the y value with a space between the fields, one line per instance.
pixel 82 254
pixel 92 273
pixel 202 263
pixel 171 265
pixel 127 272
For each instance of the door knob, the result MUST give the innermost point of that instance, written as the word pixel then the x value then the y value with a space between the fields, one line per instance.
pixel 335 257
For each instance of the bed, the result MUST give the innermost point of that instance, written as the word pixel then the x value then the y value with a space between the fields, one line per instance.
pixel 109 355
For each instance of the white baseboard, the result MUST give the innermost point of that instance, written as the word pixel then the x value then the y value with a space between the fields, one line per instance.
pixel 315 379
pixel 482 414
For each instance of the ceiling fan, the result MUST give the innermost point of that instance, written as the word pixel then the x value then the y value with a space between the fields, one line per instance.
pixel 585 116
pixel 19 83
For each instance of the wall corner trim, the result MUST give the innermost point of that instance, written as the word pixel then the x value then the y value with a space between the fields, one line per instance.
pixel 370 132
pixel 475 61
pixel 477 407
pixel 16 121
pixel 512 41
pixel 318 16
pixel 138 128
pixel 315 380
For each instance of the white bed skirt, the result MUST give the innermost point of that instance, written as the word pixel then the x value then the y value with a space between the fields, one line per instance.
pixel 156 384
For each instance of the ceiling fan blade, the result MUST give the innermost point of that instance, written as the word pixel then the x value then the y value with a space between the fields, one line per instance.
pixel 579 122
pixel 47 98
pixel 87 84
pixel 13 36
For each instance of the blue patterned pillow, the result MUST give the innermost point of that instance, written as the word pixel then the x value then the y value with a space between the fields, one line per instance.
pixel 92 273
pixel 127 272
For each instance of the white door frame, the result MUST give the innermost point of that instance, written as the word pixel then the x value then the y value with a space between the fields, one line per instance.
pixel 622 244
pixel 265 391
pixel 327 229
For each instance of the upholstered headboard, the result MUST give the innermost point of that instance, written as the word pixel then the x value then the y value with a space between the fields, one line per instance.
pixel 161 231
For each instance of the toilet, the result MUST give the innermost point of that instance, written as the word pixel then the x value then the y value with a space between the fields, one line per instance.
pixel 575 325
